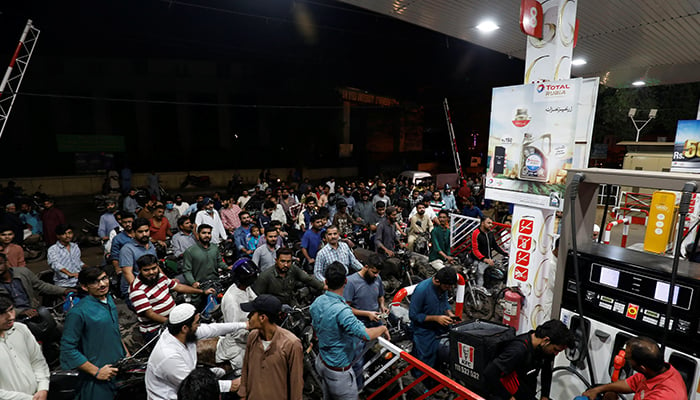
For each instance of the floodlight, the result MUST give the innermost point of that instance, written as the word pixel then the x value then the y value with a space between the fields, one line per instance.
pixel 632 112
pixel 487 26
pixel 652 113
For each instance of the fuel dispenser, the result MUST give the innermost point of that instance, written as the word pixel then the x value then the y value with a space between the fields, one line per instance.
pixel 621 293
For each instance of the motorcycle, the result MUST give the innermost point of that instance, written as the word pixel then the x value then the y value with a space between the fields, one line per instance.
pixel 298 321
pixel 228 252
pixel 87 235
pixel 477 299
pixel 495 276
pixel 130 379
pixel 402 270
pixel 201 181
pixel 422 243
pixel 34 248
pixel 360 237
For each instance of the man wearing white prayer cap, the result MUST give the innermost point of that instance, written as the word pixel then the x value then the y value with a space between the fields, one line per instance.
pixel 175 354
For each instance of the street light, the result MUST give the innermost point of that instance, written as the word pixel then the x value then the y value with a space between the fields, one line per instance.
pixel 633 111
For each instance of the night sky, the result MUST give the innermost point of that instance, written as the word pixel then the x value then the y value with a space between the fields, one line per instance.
pixel 294 53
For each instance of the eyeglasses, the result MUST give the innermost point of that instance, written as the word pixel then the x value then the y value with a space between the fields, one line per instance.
pixel 98 280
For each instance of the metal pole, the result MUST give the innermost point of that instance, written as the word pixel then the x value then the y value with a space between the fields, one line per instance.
pixel 14 56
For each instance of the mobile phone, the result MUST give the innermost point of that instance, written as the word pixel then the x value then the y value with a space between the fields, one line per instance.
pixel 499 160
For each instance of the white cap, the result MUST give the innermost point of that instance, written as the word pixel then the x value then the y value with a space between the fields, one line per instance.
pixel 596 228
pixel 181 313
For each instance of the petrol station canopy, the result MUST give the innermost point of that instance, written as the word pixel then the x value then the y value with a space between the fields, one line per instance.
pixel 622 41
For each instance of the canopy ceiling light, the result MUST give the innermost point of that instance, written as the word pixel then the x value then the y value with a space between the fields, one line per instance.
pixel 487 26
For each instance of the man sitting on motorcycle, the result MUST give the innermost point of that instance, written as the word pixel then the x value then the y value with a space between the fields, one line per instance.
pixel 184 238
pixel 342 219
pixel 419 224
pixel 31 218
pixel 64 258
pixel 386 239
pixel 231 347
pixel 483 245
pixel 150 295
pixel 202 261
pixel 441 251
pixel 282 280
pixel 21 285
pixel 13 252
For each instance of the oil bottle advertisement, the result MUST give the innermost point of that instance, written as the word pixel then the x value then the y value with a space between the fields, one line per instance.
pixel 532 263
pixel 531 142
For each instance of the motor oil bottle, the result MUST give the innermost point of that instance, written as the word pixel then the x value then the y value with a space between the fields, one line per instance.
pixel 535 161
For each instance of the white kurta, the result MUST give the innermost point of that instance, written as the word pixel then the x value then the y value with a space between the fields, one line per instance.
pixel 232 346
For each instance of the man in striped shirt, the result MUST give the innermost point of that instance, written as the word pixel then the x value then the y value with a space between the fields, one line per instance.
pixel 150 295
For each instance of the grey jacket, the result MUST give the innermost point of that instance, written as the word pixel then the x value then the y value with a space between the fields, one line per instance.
pixel 32 285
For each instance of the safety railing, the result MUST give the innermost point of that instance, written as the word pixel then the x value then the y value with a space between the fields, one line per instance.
pixel 443 382
pixel 636 200
pixel 621 212
pixel 461 228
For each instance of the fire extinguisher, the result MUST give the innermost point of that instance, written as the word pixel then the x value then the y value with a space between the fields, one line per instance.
pixel 511 308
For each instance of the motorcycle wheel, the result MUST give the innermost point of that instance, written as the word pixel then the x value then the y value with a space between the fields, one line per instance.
pixel 31 255
pixel 498 305
pixel 414 279
pixel 312 382
pixel 481 308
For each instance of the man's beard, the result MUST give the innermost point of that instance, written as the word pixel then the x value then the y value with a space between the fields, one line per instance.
pixel 144 239
pixel 191 337
pixel 369 279
pixel 149 281
pixel 205 241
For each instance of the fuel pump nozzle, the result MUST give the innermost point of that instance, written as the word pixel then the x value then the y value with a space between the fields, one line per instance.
pixel 618 363
pixel 583 355
pixel 688 189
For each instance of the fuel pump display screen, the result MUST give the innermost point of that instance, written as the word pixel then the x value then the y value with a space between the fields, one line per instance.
pixel 640 285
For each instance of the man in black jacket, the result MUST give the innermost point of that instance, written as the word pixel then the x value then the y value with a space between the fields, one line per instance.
pixel 513 372
pixel 483 245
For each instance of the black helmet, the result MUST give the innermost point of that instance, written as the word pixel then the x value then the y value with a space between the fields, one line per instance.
pixel 244 271
pixel 493 274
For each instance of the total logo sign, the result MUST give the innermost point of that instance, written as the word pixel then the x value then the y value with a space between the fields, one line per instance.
pixel 550 90
pixel 524 245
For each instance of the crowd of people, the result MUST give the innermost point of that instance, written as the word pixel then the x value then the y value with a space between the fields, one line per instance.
pixel 262 359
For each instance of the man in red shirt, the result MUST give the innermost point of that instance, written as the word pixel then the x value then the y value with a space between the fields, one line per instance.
pixel 654 380
pixel 51 217
pixel 14 252
pixel 160 226
pixel 150 295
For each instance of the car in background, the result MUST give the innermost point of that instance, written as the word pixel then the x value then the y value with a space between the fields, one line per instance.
pixel 417 178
